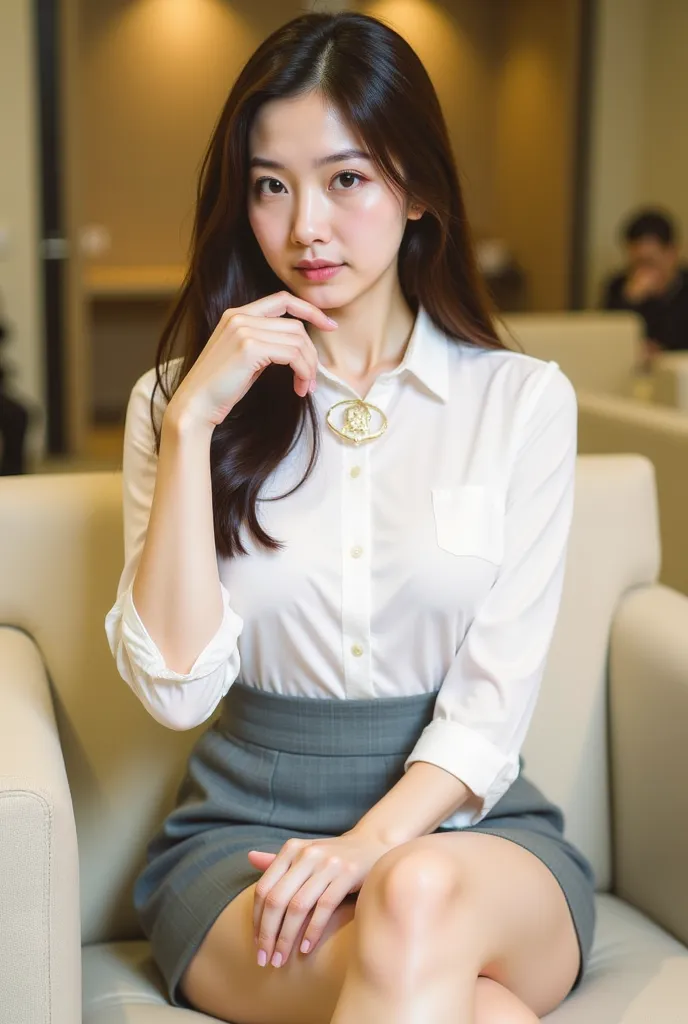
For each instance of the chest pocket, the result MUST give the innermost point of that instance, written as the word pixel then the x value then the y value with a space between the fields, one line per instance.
pixel 469 520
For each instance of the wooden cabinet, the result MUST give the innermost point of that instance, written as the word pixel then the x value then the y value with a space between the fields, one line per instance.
pixel 126 311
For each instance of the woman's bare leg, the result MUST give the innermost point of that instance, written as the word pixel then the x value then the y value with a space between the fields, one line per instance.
pixel 225 980
pixel 495 1004
pixel 361 962
pixel 438 912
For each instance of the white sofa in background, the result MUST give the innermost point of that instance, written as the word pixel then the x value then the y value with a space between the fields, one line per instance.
pixel 670 380
pixel 598 351
pixel 621 411
pixel 607 424
pixel 85 770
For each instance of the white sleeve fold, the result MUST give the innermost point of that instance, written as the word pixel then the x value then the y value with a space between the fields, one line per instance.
pixel 176 700
pixel 486 700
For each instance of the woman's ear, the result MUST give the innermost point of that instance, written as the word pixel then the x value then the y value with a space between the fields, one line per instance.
pixel 415 211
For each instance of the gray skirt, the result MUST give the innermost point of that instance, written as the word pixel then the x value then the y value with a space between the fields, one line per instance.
pixel 273 767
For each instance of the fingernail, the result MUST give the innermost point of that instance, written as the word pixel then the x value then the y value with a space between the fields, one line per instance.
pixel 311 386
pixel 276 960
pixel 333 322
pixel 305 946
pixel 262 958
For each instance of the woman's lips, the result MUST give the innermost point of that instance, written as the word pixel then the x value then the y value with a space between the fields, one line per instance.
pixel 321 273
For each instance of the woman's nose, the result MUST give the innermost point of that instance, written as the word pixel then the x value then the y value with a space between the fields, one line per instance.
pixel 311 222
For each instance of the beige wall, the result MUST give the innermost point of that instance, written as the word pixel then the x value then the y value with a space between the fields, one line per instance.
pixel 20 289
pixel 665 156
pixel 137 115
pixel 504 74
pixel 639 150
pixel 617 130
pixel 154 75
pixel 534 139
pixel 458 41
pixel 146 111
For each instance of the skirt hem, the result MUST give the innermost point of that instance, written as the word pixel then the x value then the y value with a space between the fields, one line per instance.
pixel 173 957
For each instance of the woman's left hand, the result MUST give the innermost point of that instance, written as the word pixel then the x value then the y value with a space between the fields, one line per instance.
pixel 306 875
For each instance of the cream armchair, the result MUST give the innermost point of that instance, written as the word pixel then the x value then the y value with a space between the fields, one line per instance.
pixel 670 380
pixel 598 351
pixel 86 775
pixel 607 424
pixel 621 411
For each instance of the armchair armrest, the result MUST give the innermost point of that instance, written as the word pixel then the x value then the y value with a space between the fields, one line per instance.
pixel 40 934
pixel 649 754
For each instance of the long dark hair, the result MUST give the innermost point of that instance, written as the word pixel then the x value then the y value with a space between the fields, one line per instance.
pixel 378 83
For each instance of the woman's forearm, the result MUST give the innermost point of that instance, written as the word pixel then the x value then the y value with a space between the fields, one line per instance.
pixel 177 588
pixel 416 805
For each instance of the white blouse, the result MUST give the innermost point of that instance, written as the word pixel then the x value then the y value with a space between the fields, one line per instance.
pixel 429 559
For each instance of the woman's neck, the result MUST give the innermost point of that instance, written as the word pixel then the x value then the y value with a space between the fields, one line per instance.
pixel 371 339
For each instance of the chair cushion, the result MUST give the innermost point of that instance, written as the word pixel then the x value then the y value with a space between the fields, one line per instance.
pixel 637 974
pixel 121 985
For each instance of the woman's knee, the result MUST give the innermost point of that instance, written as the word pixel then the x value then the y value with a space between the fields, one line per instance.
pixel 414 918
pixel 410 885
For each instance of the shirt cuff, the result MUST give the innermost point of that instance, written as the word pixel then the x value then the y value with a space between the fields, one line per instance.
pixel 144 653
pixel 469 757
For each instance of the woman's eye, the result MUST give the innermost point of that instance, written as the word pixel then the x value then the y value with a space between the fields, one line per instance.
pixel 273 186
pixel 348 179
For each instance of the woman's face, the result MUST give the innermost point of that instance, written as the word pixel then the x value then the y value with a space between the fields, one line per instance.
pixel 315 195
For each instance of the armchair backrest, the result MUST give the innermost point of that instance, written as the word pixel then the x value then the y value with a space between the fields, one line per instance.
pixel 60 560
pixel 597 350
pixel 607 425
pixel 670 380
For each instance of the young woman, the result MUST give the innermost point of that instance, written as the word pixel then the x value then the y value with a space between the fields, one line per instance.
pixel 346 511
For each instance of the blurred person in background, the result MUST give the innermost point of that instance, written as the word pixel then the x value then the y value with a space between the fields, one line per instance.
pixel 654 283
pixel 14 420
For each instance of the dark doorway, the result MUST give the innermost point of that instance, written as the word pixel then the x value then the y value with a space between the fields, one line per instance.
pixel 54 245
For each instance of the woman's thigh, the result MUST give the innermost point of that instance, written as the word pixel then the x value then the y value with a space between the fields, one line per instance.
pixel 523 925
pixel 224 978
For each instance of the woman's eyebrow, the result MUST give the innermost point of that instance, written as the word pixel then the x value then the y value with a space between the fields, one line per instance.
pixel 335 158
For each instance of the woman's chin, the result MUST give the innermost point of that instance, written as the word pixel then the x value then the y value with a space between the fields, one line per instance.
pixel 322 295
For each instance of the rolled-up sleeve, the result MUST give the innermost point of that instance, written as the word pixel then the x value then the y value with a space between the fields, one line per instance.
pixel 178 701
pixel 487 698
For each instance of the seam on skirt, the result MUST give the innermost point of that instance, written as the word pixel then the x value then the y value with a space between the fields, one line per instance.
pixel 271 789
pixel 307 753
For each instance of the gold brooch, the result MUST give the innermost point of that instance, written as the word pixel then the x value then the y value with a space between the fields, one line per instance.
pixel 357 417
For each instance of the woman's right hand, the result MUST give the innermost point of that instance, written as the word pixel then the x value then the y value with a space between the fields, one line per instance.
pixel 246 340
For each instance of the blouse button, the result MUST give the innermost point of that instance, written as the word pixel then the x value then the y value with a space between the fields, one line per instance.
pixel 355 471
pixel 356 552
pixel 357 650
